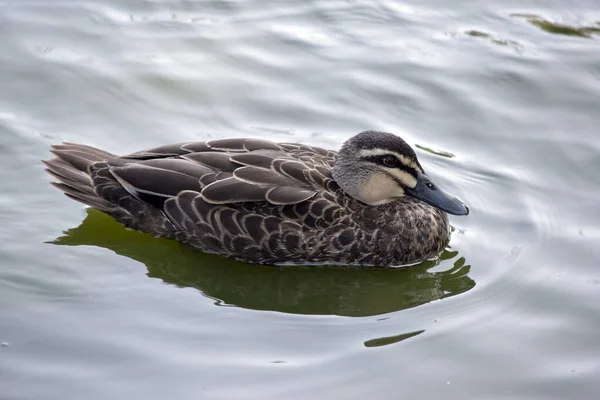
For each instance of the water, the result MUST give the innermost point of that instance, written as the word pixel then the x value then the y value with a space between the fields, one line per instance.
pixel 500 100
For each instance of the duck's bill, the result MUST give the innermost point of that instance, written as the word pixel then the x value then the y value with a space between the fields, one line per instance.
pixel 431 194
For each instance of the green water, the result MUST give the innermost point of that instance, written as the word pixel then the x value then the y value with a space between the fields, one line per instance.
pixel 501 101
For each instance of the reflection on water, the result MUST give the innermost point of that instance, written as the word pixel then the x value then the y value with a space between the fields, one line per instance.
pixel 561 29
pixel 498 41
pixel 384 341
pixel 348 291
pixel 435 152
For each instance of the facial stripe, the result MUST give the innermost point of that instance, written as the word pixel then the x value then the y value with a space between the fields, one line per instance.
pixel 378 160
pixel 406 161
pixel 402 177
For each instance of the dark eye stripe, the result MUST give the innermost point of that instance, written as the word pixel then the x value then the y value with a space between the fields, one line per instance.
pixel 398 181
pixel 399 164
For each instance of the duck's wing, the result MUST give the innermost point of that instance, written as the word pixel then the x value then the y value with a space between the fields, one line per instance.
pixel 227 171
pixel 239 196
pixel 242 197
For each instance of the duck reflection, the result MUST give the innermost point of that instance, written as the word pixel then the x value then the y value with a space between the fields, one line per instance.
pixel 325 290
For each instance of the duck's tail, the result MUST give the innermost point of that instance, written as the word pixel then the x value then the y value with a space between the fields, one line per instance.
pixel 71 167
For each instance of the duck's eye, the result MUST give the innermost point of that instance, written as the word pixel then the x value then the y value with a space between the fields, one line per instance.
pixel 389 161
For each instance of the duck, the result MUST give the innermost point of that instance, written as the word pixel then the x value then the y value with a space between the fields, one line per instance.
pixel 257 201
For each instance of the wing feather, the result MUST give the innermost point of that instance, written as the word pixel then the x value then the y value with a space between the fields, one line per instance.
pixel 284 195
pixel 178 165
pixel 168 150
pixel 138 178
pixel 231 190
pixel 263 177
pixel 294 169
pixel 80 159
pixel 194 147
pixel 242 145
pixel 213 159
pixel 258 158
pixel 93 151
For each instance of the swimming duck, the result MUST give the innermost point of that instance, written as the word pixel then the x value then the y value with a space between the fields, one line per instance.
pixel 263 202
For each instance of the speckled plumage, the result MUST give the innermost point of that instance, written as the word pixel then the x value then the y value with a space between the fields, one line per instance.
pixel 250 199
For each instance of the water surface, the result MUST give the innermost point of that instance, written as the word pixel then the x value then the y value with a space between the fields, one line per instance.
pixel 499 99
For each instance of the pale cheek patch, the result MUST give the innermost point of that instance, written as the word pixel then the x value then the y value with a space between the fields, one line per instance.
pixel 407 179
pixel 380 189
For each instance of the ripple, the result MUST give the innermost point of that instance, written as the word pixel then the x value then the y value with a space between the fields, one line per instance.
pixel 503 110
pixel 304 34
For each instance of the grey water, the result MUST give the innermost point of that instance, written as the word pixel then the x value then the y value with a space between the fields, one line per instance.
pixel 501 101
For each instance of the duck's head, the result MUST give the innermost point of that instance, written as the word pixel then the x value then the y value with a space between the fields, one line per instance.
pixel 378 167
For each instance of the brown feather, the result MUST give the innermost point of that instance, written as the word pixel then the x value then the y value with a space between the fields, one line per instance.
pixel 231 190
pixel 168 150
pixel 282 195
pixel 195 147
pixel 261 176
pixel 214 160
pixel 76 157
pixel 178 165
pixel 63 171
pixel 156 181
pixel 242 144
pixel 258 158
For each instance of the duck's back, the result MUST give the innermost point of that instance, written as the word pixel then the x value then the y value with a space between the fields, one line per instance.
pixel 245 198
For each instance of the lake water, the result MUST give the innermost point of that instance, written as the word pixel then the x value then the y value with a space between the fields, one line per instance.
pixel 501 100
